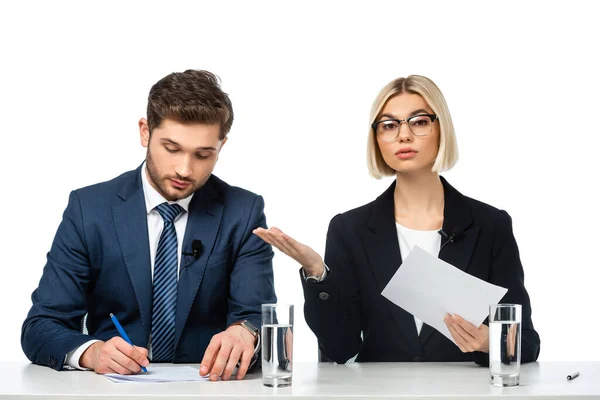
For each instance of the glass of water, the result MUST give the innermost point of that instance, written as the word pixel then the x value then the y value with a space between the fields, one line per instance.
pixel 277 344
pixel 505 344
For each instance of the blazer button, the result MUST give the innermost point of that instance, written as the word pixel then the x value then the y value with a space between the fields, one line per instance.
pixel 323 295
pixel 417 359
pixel 52 361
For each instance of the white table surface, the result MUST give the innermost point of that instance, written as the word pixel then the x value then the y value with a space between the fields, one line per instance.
pixel 421 381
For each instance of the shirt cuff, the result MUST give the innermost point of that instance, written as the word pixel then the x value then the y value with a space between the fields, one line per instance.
pixel 256 352
pixel 323 275
pixel 72 357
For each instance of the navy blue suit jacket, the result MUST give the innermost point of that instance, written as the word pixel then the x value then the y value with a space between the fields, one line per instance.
pixel 349 315
pixel 99 263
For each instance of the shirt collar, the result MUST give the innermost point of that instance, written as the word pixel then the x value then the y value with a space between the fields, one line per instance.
pixel 153 198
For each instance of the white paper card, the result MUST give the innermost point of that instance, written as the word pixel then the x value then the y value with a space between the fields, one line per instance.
pixel 430 288
pixel 160 374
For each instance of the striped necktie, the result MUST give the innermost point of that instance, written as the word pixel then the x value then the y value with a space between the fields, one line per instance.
pixel 164 293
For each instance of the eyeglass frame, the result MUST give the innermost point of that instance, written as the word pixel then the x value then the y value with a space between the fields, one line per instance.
pixel 374 125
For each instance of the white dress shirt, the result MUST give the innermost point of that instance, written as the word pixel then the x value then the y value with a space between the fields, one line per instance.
pixel 430 241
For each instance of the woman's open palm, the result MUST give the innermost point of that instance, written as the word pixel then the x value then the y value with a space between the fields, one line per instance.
pixel 304 255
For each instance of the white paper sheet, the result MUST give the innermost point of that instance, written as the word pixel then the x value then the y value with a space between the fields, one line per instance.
pixel 430 288
pixel 160 374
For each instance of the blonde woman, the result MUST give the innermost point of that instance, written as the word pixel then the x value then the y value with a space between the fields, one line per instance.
pixel 411 137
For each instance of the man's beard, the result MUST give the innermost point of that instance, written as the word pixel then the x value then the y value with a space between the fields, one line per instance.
pixel 162 186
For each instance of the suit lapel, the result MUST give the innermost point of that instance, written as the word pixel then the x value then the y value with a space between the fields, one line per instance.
pixel 383 252
pixel 457 219
pixel 131 224
pixel 204 219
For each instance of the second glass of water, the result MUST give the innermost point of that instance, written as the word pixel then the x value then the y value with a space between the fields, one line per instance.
pixel 505 344
pixel 277 344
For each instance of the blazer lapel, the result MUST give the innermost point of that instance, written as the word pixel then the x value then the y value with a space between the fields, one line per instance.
pixel 383 252
pixel 457 221
pixel 204 219
pixel 131 224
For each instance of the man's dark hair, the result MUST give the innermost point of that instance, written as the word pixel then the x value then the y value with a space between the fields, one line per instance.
pixel 190 97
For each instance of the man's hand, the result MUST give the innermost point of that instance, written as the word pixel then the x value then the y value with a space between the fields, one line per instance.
pixel 468 337
pixel 225 350
pixel 115 356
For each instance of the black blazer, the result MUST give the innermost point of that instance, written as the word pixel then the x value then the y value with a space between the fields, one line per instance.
pixel 363 254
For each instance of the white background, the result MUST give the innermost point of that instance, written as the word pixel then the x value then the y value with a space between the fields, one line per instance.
pixel 521 80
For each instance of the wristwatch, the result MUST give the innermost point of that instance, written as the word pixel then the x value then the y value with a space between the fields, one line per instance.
pixel 250 327
pixel 316 278
pixel 313 279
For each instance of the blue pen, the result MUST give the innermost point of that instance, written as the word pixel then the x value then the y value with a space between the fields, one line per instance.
pixel 123 334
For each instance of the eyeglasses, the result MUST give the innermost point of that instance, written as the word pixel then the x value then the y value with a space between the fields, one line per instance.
pixel 389 129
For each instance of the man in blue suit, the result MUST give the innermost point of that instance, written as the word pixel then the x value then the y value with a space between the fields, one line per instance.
pixel 167 248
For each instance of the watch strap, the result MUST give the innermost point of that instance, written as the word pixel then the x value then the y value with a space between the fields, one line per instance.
pixel 249 326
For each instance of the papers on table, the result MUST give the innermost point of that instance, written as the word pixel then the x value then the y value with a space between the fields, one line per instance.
pixel 160 374
pixel 430 288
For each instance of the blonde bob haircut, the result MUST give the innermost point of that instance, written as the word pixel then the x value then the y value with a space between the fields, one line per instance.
pixel 448 151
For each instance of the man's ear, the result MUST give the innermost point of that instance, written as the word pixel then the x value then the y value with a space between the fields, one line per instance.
pixel 144 132
pixel 221 147
pixel 223 143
